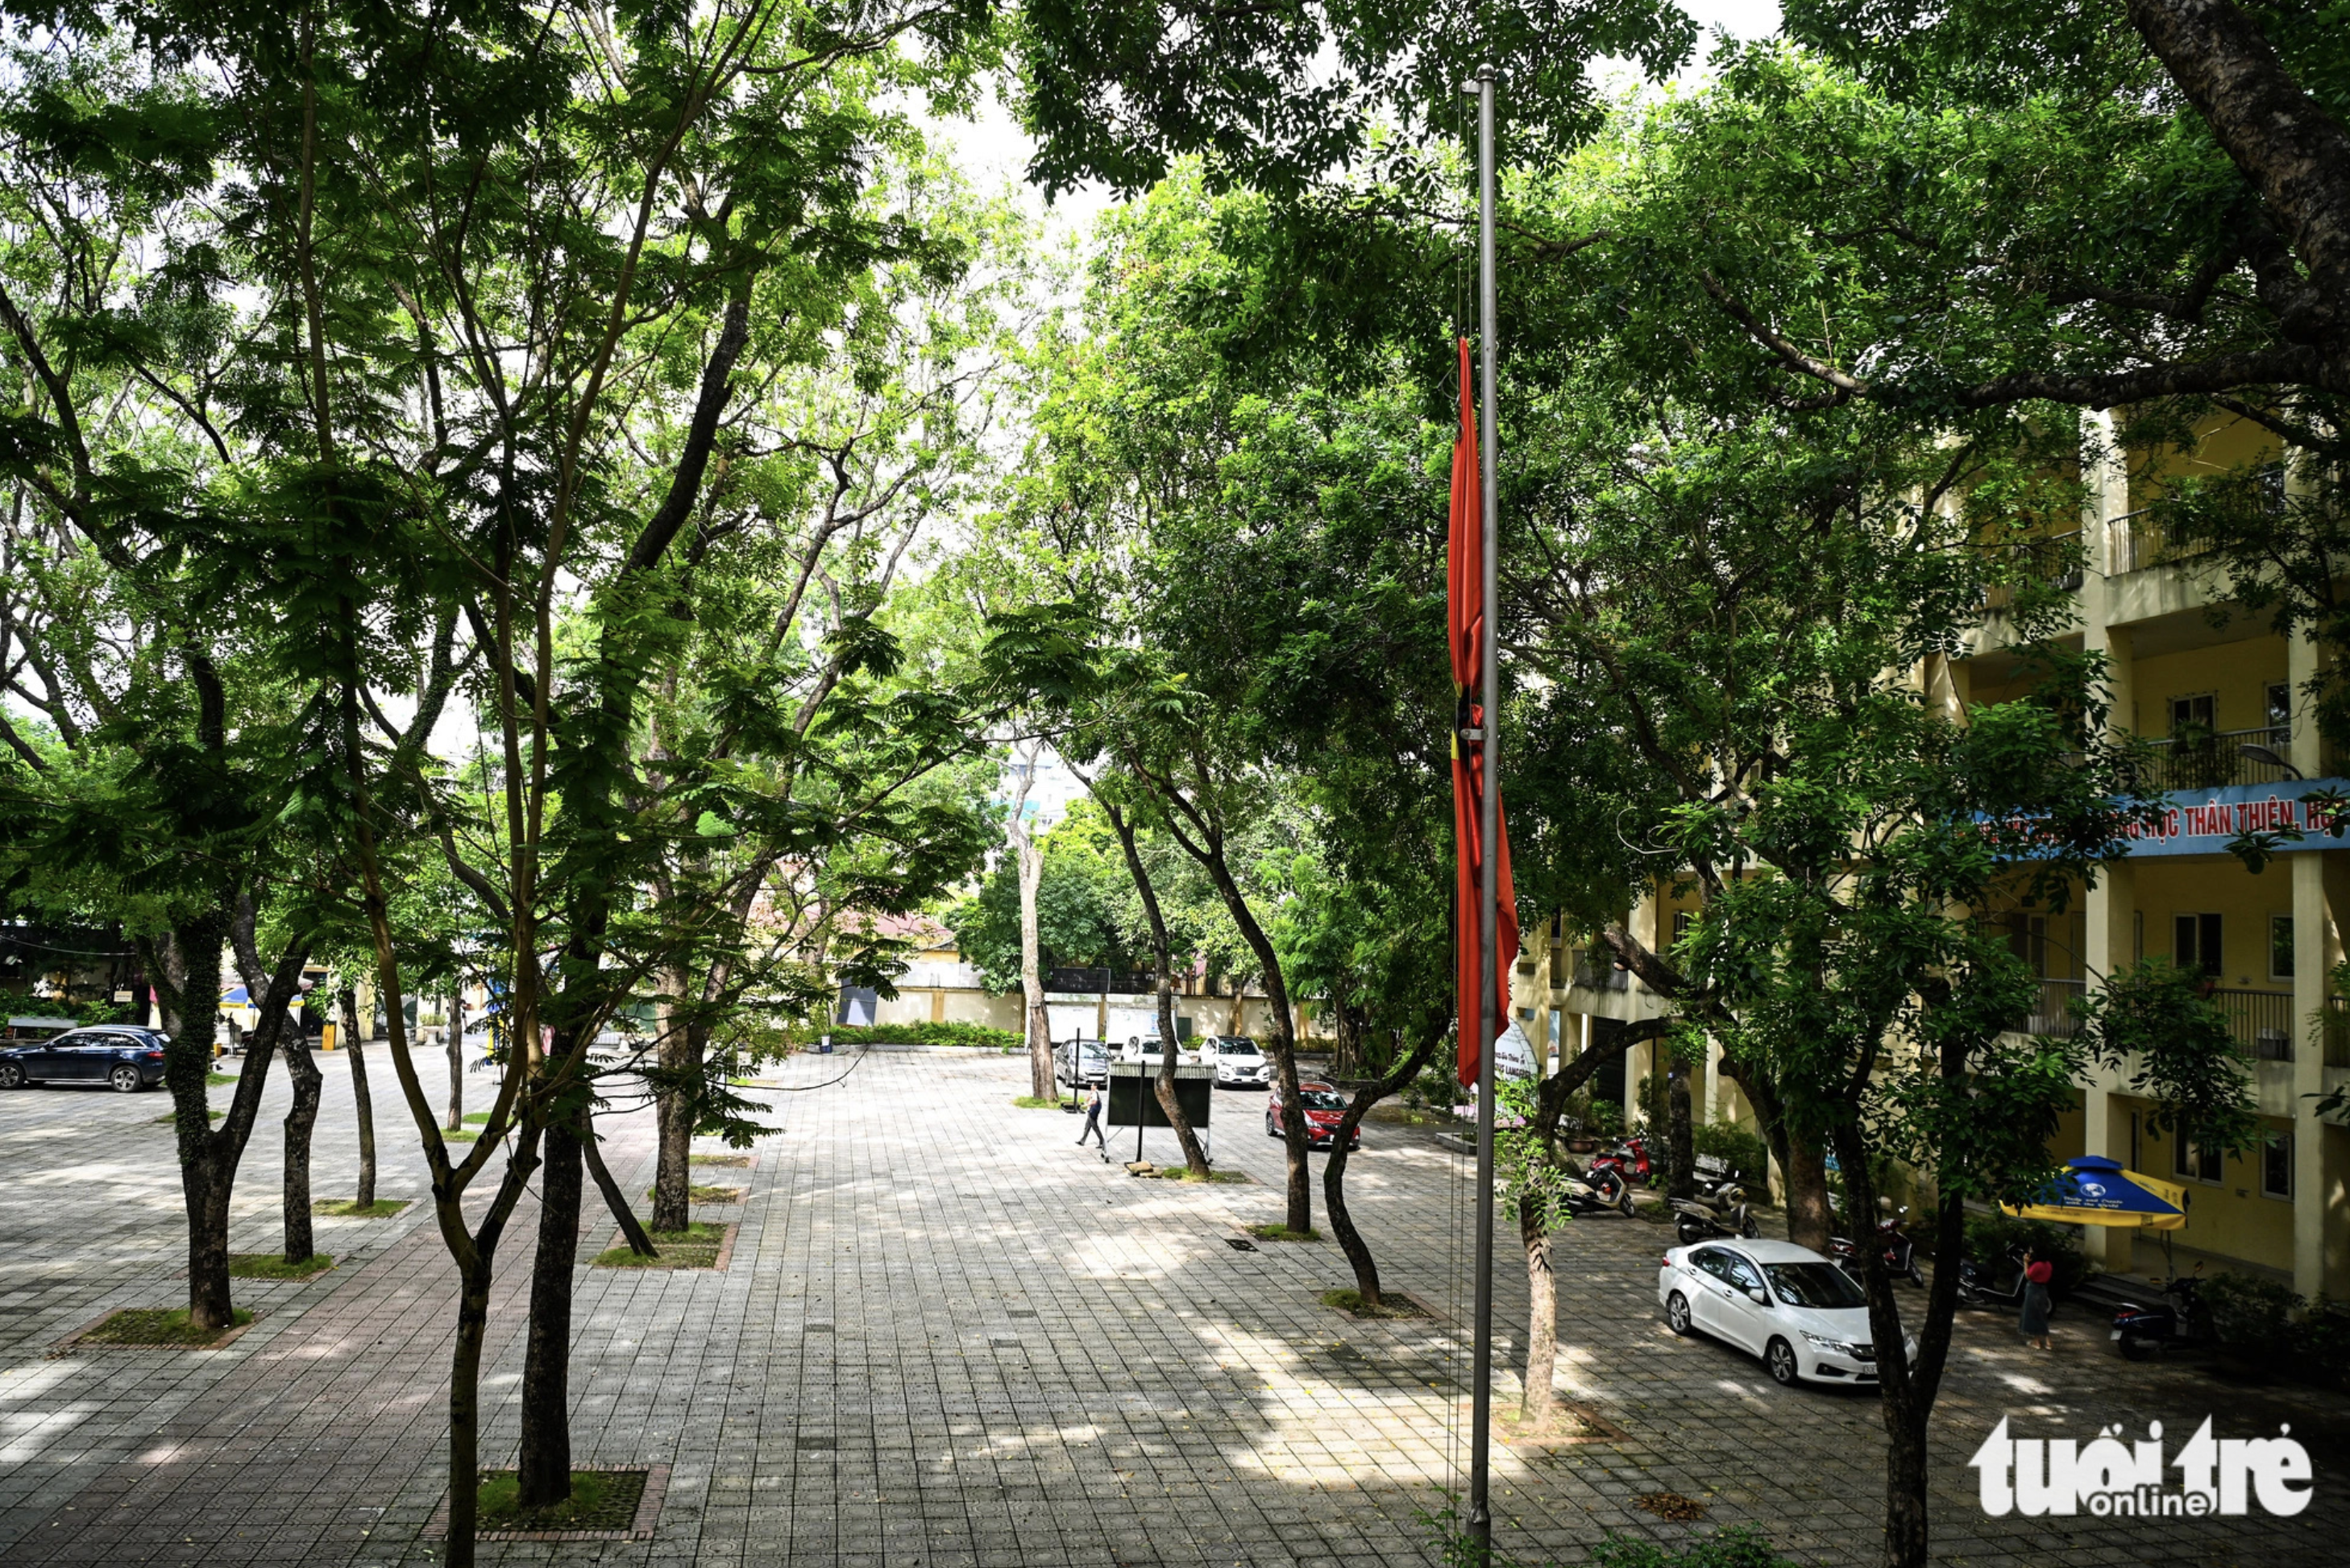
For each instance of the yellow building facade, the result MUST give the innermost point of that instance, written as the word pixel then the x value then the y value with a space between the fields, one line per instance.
pixel 2222 700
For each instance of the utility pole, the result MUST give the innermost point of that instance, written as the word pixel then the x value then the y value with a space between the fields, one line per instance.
pixel 1481 1420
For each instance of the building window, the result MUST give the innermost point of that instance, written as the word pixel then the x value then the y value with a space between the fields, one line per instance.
pixel 2195 942
pixel 2027 939
pixel 2280 947
pixel 2191 714
pixel 2280 716
pixel 2192 1161
pixel 2276 1165
pixel 1682 920
pixel 2138 936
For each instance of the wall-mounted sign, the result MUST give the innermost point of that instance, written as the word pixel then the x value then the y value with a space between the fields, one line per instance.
pixel 2201 822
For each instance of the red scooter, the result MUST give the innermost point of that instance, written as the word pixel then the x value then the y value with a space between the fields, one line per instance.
pixel 1898 1249
pixel 1628 1160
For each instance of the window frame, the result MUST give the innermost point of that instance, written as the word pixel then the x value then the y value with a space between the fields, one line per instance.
pixel 2188 1157
pixel 2293 953
pixel 2277 1149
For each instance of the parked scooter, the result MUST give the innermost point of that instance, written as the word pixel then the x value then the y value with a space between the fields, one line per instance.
pixel 1597 1190
pixel 1899 1250
pixel 1628 1160
pixel 1978 1285
pixel 2139 1332
pixel 1724 1215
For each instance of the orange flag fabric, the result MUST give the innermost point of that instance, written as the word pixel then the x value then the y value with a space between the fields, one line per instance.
pixel 1464 606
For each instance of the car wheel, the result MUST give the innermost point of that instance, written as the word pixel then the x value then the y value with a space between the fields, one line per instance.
pixel 12 1076
pixel 125 1079
pixel 1677 1313
pixel 1270 1130
pixel 1780 1358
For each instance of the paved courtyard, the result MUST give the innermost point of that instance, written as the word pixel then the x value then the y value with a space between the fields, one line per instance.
pixel 946 1336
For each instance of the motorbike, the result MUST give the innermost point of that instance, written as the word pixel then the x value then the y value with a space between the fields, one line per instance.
pixel 2139 1332
pixel 1978 1286
pixel 1899 1248
pixel 1597 1189
pixel 1724 1215
pixel 1628 1161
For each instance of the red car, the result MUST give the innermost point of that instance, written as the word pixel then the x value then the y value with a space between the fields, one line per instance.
pixel 1324 1107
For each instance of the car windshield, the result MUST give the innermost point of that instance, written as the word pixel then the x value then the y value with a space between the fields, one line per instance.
pixel 1813 1285
pixel 1239 1048
pixel 1321 1100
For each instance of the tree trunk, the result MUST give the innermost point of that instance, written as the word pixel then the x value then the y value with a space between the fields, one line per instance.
pixel 681 1075
pixel 465 1411
pixel 190 975
pixel 1538 1404
pixel 2284 141
pixel 1162 955
pixel 543 1470
pixel 301 1119
pixel 1032 979
pixel 360 1101
pixel 456 1122
pixel 1807 1169
pixel 614 1198
pixel 1333 1170
pixel 1678 1130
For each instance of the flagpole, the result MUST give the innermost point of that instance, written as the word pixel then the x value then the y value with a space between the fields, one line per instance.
pixel 1480 1421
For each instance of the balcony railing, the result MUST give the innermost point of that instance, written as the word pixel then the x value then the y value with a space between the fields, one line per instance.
pixel 2141 539
pixel 1607 978
pixel 2215 760
pixel 2052 1012
pixel 2261 1020
pixel 2054 560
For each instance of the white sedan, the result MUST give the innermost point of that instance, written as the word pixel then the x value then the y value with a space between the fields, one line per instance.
pixel 1805 1317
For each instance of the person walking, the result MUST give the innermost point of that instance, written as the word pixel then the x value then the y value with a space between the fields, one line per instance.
pixel 2037 1302
pixel 1094 1104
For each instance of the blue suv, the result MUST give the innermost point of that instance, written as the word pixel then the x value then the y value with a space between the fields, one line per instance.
pixel 128 1058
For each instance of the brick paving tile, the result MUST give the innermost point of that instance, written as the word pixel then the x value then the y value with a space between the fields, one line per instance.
pixel 946 1336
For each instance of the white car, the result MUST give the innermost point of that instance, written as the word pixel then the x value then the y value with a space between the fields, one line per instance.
pixel 1145 1048
pixel 1805 1317
pixel 1241 1063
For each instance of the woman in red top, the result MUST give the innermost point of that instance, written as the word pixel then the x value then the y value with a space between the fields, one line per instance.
pixel 2037 1303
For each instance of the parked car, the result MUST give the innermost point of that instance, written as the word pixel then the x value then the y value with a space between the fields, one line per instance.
pixel 1325 1107
pixel 1145 1047
pixel 1798 1311
pixel 1239 1061
pixel 1077 1062
pixel 128 1058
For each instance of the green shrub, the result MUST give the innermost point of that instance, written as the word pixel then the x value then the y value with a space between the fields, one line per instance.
pixel 1606 1121
pixel 2251 1314
pixel 848 1037
pixel 1739 1149
pixel 1989 1236
pixel 1737 1547
pixel 2322 1340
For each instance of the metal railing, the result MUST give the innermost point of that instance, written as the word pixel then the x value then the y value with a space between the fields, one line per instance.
pixel 2215 760
pixel 2138 540
pixel 2261 1020
pixel 2052 1012
pixel 1607 979
pixel 2051 559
